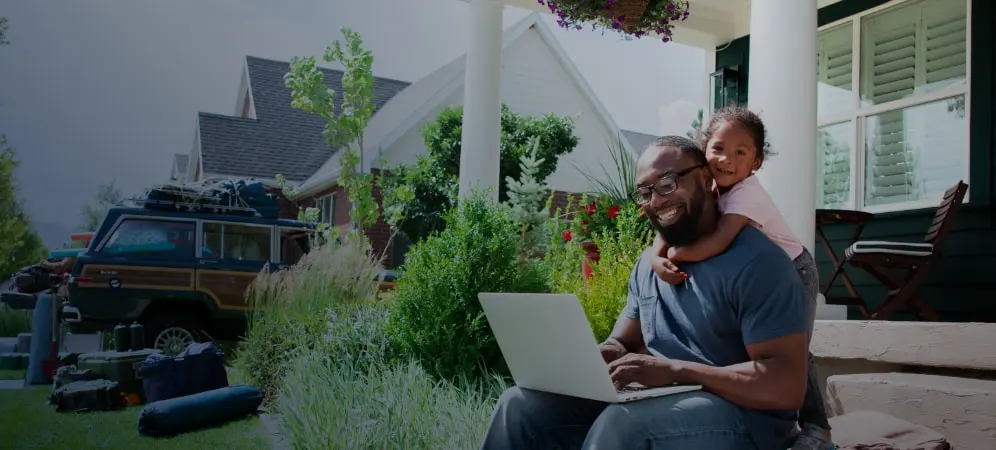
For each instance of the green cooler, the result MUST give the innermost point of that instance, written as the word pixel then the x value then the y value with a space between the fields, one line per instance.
pixel 117 366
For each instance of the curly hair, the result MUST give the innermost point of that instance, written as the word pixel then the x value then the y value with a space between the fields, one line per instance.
pixel 744 118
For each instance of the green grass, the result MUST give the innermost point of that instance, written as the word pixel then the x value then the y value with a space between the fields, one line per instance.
pixel 13 322
pixel 27 422
pixel 11 374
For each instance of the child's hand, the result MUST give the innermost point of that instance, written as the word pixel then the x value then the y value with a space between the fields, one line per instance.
pixel 667 271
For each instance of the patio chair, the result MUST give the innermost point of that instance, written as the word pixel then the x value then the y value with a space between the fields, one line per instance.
pixel 879 258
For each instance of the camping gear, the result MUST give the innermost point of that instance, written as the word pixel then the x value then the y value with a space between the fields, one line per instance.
pixel 222 196
pixel 122 338
pixel 94 395
pixel 13 361
pixel 193 412
pixel 41 351
pixel 136 334
pixel 198 368
pixel 120 367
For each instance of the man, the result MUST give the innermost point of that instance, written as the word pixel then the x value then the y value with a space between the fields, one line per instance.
pixel 736 326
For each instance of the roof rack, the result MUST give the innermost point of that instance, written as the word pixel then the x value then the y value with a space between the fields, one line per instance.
pixel 213 196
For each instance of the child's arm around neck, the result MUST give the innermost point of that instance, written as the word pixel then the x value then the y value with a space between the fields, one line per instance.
pixel 712 244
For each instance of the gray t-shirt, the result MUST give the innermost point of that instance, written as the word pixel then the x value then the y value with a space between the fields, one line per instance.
pixel 749 293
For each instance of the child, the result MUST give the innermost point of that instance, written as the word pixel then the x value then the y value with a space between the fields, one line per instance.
pixel 734 144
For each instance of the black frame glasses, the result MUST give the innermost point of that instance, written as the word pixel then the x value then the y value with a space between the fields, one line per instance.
pixel 664 185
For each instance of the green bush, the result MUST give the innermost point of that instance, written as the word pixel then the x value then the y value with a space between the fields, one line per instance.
pixel 13 322
pixel 438 318
pixel 328 405
pixel 604 295
pixel 292 308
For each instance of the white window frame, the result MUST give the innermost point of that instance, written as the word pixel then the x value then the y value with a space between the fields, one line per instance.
pixel 331 213
pixel 857 114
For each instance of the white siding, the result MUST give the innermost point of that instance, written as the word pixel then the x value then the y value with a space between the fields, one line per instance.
pixel 533 83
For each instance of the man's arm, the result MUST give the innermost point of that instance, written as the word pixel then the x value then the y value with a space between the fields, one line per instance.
pixel 771 305
pixel 713 243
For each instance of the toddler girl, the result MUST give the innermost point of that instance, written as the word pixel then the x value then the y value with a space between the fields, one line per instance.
pixel 734 144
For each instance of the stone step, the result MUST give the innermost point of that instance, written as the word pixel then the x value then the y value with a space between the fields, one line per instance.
pixel 963 410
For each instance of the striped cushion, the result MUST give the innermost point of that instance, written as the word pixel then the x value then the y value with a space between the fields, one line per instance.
pixel 892 248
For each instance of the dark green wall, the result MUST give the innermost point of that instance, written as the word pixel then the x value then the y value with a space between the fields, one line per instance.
pixel 963 286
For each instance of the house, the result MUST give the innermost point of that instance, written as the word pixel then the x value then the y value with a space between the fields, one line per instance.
pixel 267 137
pixel 179 170
pixel 898 108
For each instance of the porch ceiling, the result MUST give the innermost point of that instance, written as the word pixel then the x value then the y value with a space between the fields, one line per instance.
pixel 711 23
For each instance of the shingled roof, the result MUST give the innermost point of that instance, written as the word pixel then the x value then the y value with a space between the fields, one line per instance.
pixel 281 139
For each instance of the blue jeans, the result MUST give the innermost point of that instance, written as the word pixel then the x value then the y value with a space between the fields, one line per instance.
pixel 813 409
pixel 527 419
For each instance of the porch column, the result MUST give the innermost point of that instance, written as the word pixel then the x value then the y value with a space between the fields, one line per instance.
pixel 479 155
pixel 782 89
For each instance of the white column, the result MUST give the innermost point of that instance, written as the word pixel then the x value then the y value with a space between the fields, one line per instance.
pixel 479 154
pixel 782 89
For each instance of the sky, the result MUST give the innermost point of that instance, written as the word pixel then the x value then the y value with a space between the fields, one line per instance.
pixel 98 91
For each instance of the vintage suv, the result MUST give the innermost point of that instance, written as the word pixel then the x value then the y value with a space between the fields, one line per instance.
pixel 181 274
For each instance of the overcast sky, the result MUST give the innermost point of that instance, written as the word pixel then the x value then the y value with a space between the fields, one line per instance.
pixel 93 91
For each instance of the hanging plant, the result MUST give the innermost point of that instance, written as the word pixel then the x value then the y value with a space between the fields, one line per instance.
pixel 633 17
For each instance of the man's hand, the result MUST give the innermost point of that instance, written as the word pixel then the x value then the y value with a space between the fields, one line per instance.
pixel 667 271
pixel 611 350
pixel 647 370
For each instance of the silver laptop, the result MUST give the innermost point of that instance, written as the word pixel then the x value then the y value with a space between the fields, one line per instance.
pixel 549 346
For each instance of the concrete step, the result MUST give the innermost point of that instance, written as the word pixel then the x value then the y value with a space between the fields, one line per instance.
pixel 963 410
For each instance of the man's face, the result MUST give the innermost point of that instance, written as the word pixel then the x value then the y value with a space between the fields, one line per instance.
pixel 676 215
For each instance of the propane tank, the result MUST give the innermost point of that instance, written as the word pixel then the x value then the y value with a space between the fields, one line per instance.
pixel 137 335
pixel 121 339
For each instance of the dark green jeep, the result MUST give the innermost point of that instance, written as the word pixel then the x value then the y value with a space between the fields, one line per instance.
pixel 183 275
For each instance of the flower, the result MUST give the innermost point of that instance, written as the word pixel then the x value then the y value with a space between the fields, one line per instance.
pixel 591 209
pixel 613 211
pixel 658 18
pixel 567 235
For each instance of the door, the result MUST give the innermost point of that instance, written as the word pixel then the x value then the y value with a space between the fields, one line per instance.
pixel 232 255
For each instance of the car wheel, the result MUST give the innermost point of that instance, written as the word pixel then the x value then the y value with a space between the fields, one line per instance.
pixel 172 333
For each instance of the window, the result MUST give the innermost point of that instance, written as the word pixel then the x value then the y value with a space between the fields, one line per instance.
pixel 326 205
pixel 152 238
pixel 236 242
pixel 294 243
pixel 892 93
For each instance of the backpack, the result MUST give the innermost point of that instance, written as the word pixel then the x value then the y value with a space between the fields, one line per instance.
pixel 94 395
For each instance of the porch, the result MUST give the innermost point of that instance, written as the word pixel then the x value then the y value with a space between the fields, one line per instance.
pixel 897 109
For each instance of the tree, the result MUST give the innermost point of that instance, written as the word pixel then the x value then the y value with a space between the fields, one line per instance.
pixel 3 31
pixel 20 245
pixel 108 195
pixel 345 122
pixel 435 179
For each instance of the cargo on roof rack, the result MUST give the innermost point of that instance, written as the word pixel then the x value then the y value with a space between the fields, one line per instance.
pixel 236 197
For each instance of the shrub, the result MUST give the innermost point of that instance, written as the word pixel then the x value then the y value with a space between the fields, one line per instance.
pixel 13 322
pixel 438 318
pixel 329 405
pixel 604 295
pixel 291 308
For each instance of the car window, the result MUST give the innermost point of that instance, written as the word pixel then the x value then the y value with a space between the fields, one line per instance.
pixel 236 242
pixel 293 245
pixel 152 238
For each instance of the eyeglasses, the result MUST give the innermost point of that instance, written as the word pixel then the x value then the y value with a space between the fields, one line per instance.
pixel 663 186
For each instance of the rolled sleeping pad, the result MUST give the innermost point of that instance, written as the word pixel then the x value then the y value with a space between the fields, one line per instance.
pixel 197 411
pixel 41 341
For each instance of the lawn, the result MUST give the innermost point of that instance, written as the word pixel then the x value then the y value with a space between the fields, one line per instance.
pixel 27 422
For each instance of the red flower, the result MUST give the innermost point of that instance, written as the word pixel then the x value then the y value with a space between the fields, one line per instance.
pixel 584 222
pixel 567 235
pixel 613 211
pixel 591 209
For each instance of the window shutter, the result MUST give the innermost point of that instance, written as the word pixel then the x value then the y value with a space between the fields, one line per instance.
pixel 914 49
pixel 835 49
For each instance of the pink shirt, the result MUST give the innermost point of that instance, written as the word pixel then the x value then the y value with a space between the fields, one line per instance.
pixel 749 199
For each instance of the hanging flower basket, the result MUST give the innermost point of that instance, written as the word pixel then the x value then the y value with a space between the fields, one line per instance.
pixel 633 17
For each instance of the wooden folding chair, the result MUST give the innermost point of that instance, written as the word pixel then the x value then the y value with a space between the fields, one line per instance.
pixel 879 258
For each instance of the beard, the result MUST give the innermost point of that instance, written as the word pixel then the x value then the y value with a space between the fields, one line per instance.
pixel 686 230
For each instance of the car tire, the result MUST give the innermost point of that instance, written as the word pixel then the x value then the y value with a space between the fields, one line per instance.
pixel 171 332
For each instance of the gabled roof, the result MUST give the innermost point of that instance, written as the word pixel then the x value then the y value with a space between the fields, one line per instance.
pixel 281 139
pixel 409 107
pixel 638 141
